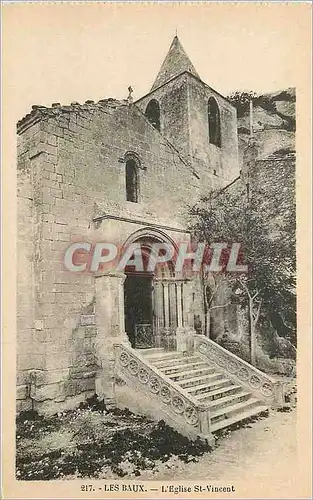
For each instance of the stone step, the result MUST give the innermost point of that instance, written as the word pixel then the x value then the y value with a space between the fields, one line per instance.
pixel 248 413
pixel 165 355
pixel 151 351
pixel 188 374
pixel 210 379
pixel 232 399
pixel 178 361
pixel 232 410
pixel 183 367
pixel 210 387
pixel 226 401
pixel 218 393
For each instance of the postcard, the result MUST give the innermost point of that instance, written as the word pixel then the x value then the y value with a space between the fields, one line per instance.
pixel 156 250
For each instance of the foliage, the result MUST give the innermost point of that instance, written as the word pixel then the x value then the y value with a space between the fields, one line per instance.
pixel 264 225
pixel 286 96
pixel 93 442
pixel 241 101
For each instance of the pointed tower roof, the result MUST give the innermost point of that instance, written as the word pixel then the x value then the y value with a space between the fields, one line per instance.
pixel 175 63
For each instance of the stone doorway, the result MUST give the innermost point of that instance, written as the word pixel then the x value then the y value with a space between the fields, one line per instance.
pixel 138 309
pixel 156 303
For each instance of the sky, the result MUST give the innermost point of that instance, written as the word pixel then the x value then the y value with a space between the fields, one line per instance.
pixel 73 52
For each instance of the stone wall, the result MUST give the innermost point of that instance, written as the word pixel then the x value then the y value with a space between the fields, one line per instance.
pixel 184 121
pixel 71 170
pixel 174 109
pixel 223 161
pixel 30 353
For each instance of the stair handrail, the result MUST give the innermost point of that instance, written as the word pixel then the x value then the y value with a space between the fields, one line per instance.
pixel 183 404
pixel 263 385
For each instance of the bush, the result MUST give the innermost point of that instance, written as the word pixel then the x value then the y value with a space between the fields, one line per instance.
pixel 93 403
pixel 241 101
pixel 89 443
pixel 278 366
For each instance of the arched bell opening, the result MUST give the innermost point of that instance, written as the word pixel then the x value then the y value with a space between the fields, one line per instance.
pixel 153 114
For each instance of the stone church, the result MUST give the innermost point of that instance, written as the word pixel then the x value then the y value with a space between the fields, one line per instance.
pixel 125 171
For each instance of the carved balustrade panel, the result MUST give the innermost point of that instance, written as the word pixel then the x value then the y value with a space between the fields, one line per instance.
pixel 260 383
pixel 156 383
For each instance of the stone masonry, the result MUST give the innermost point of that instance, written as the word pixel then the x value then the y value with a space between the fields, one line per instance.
pixel 71 188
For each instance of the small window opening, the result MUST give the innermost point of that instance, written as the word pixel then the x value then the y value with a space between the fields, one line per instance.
pixel 131 181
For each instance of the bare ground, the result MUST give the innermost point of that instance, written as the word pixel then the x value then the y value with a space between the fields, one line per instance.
pixel 91 442
pixel 263 449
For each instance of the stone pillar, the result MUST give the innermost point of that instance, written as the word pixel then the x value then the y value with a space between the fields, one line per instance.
pixel 166 305
pixel 205 424
pixel 179 304
pixel 110 322
pixel 157 312
pixel 158 302
pixel 173 304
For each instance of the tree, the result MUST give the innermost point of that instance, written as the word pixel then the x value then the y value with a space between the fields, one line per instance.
pixel 240 214
pixel 210 287
pixel 241 101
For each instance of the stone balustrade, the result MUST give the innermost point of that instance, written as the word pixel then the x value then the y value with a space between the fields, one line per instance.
pixel 187 415
pixel 259 383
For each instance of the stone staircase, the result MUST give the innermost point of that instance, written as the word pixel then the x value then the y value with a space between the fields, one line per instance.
pixel 197 392
pixel 228 402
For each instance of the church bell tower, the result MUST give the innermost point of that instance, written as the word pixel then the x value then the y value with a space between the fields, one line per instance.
pixel 198 121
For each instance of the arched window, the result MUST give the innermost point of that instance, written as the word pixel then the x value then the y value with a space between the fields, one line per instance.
pixel 131 181
pixel 214 122
pixel 153 113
